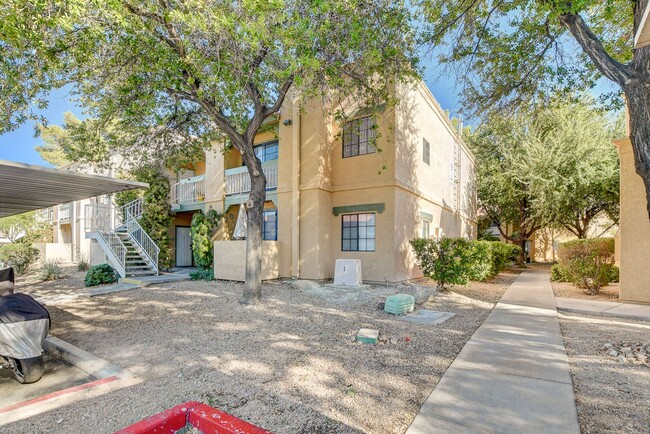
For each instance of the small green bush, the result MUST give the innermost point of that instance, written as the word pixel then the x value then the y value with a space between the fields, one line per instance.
pixel 559 274
pixel 489 258
pixel 614 274
pixel 19 256
pixel 101 274
pixel 203 227
pixel 447 261
pixel 481 260
pixel 50 270
pixel 588 263
pixel 202 274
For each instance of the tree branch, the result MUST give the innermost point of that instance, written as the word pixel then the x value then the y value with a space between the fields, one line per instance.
pixel 591 45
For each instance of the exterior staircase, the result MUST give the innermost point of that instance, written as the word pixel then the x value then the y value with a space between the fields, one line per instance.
pixel 127 246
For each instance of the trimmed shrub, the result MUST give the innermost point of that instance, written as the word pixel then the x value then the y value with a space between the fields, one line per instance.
pixel 614 274
pixel 447 261
pixel 588 263
pixel 559 274
pixel 101 274
pixel 481 261
pixel 489 258
pixel 19 256
pixel 202 274
pixel 50 270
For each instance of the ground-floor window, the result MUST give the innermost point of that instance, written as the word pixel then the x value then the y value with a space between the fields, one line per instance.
pixel 270 225
pixel 358 232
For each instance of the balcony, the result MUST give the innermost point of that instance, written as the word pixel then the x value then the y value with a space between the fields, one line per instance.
pixel 238 181
pixel 65 213
pixel 188 192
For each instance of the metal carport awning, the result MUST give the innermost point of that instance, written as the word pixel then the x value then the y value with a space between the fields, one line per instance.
pixel 25 187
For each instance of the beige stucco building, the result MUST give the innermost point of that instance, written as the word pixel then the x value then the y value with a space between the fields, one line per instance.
pixel 633 241
pixel 335 193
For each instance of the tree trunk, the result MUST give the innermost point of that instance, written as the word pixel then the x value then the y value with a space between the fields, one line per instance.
pixel 521 259
pixel 254 213
pixel 638 103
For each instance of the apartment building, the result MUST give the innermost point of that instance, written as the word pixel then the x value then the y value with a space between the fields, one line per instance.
pixel 359 189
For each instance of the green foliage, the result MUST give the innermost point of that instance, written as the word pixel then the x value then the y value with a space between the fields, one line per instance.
pixel 513 54
pixel 448 261
pixel 614 274
pixel 203 227
pixel 202 274
pixel 24 228
pixel 57 143
pixel 489 258
pixel 19 256
pixel 156 212
pixel 100 275
pixel 588 263
pixel 50 270
pixel 559 274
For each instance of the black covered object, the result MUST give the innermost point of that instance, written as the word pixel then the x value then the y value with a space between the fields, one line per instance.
pixel 7 275
pixel 16 308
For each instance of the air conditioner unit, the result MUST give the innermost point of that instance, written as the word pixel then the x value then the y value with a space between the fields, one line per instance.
pixel 347 272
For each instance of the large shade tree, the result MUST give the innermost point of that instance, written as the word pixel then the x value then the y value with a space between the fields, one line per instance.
pixel 205 70
pixel 510 54
pixel 576 167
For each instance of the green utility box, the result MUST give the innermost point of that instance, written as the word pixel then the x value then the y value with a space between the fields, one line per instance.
pixel 368 336
pixel 399 304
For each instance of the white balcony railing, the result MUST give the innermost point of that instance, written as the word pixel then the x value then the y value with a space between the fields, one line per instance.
pixel 188 191
pixel 65 212
pixel 239 181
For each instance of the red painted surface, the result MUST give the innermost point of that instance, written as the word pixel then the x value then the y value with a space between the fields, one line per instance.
pixel 169 421
pixel 206 419
pixel 212 421
pixel 57 394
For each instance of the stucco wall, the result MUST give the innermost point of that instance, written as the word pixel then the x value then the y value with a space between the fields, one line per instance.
pixel 230 260
pixel 54 251
pixel 634 231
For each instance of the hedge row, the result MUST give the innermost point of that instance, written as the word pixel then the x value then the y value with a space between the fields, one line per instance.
pixel 455 261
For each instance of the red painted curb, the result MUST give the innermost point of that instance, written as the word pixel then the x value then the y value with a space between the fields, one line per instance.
pixel 57 394
pixel 212 421
pixel 168 421
pixel 207 419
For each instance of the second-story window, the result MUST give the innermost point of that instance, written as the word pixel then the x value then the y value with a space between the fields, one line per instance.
pixel 426 151
pixel 359 137
pixel 267 151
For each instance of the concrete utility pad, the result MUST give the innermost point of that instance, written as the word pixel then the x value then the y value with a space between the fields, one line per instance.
pixel 431 317
pixel 58 375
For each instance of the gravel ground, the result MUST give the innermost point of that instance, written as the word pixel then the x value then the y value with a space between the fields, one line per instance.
pixel 72 282
pixel 568 290
pixel 612 395
pixel 290 365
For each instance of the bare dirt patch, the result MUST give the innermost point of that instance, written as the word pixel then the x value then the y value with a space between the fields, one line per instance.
pixel 290 365
pixel 612 396
pixel 490 291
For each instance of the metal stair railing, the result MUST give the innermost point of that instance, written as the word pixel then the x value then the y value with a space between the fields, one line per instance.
pixel 143 240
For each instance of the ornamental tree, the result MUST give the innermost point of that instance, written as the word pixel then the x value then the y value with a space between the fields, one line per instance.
pixel 515 54
pixel 174 72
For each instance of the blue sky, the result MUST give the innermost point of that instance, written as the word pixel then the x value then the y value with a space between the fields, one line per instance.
pixel 19 144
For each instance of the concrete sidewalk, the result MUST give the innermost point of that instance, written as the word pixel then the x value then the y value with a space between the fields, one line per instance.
pixel 604 308
pixel 512 376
